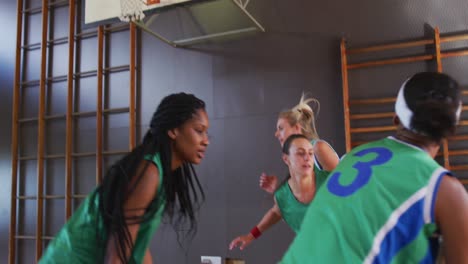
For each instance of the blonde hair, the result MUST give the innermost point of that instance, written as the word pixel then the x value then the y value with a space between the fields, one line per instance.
pixel 303 115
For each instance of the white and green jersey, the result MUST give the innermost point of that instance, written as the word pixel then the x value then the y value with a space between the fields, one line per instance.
pixel 377 206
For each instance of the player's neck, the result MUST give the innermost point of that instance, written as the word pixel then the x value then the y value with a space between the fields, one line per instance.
pixel 302 183
pixel 303 188
pixel 422 142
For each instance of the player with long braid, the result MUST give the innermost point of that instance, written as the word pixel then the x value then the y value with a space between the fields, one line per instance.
pixel 115 222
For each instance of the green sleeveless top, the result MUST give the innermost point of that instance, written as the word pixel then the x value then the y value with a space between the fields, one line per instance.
pixel 77 241
pixel 291 209
pixel 377 206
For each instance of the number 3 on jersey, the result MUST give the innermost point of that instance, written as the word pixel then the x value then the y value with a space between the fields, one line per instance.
pixel 364 172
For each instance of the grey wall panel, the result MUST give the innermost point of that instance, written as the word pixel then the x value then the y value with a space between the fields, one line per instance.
pixel 84 175
pixel 55 137
pixel 54 177
pixel 28 139
pixel 27 170
pixel 24 249
pixel 54 216
pixel 32 34
pixel 84 134
pixel 116 93
pixel 31 67
pixel 255 78
pixel 29 102
pixel 170 70
pixel 117 45
pixel 59 20
pixel 85 94
pixel 58 60
pixel 116 135
pixel 86 54
pixel 250 150
pixel 245 83
pixel 55 103
pixel 457 67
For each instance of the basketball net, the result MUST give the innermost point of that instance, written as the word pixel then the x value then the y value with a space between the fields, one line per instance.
pixel 131 10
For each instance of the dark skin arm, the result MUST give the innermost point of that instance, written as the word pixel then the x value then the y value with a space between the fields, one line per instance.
pixel 139 200
pixel 451 213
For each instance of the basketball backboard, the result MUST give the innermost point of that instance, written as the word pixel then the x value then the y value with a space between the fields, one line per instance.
pixel 104 10
pixel 180 22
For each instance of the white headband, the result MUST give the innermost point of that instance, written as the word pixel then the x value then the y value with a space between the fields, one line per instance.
pixel 401 108
pixel 405 114
pixel 459 110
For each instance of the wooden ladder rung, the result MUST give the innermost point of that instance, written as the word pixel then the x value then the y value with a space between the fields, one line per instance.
pixel 26 237
pixel 372 116
pixel 458 167
pixel 390 61
pixel 50 197
pixel 372 129
pixel 386 100
pixel 458 138
pixel 459 152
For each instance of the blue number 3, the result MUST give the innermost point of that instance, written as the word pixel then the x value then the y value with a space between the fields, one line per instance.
pixel 364 172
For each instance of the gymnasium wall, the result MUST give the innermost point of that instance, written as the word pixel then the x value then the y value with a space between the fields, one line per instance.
pixel 244 83
pixel 7 67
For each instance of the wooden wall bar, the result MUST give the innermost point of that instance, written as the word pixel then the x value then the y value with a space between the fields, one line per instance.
pixel 344 74
pixel 15 133
pixel 132 51
pixel 349 104
pixel 41 130
pixel 438 58
pixel 100 62
pixel 69 113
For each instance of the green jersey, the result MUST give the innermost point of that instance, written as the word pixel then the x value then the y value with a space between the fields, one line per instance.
pixel 377 206
pixel 78 242
pixel 292 210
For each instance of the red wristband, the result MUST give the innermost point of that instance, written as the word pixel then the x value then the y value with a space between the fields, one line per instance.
pixel 255 232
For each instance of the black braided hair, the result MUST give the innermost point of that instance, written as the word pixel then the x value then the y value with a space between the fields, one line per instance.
pixel 182 191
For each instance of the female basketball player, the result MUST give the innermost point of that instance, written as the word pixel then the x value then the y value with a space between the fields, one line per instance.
pixel 115 223
pixel 294 195
pixel 386 198
pixel 301 120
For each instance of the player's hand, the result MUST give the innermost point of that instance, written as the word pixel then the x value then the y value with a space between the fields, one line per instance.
pixel 268 182
pixel 241 242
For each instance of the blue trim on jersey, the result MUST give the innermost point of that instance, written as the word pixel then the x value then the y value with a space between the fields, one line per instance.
pixel 407 228
pixel 317 163
pixel 436 190
pixel 428 259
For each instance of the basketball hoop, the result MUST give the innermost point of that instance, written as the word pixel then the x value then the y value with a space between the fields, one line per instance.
pixel 131 10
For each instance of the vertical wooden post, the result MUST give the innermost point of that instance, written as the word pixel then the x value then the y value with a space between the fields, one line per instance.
pixel 41 130
pixel 437 49
pixel 344 79
pixel 132 109
pixel 99 105
pixel 69 114
pixel 14 134
pixel 438 57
